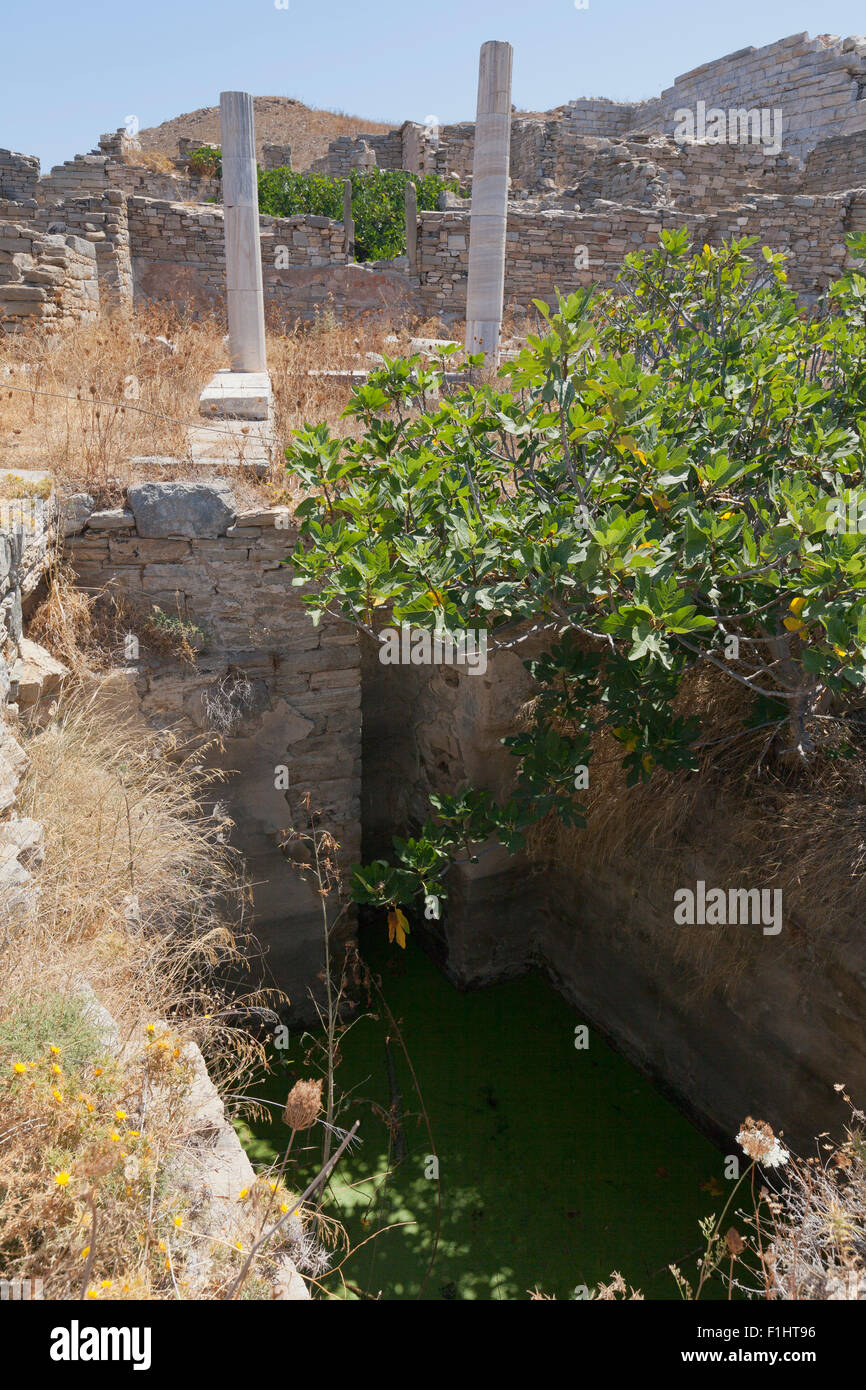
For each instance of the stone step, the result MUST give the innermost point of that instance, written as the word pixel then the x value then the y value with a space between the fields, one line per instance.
pixel 237 396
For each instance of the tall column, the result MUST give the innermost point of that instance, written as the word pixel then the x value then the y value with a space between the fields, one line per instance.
pixel 348 219
pixel 245 295
pixel 410 212
pixel 489 212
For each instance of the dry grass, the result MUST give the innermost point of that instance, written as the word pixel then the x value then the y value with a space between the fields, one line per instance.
pixel 713 824
pixel 152 159
pixel 90 403
pixel 82 403
pixel 792 1227
pixel 818 1249
pixel 140 902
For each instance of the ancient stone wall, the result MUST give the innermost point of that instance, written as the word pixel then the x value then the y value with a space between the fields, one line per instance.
pixel 835 164
pixel 100 219
pixel 282 693
pixel 817 83
pixel 19 174
pixel 276 156
pixel 178 251
pixel 97 172
pixel 551 250
pixel 51 279
pixel 365 150
pixel 726 1041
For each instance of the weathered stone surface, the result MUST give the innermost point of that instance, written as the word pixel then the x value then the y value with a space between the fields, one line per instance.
pixel 36 673
pixel 74 513
pixel 13 761
pixel 252 682
pixel 115 519
pixel 181 509
pixel 22 839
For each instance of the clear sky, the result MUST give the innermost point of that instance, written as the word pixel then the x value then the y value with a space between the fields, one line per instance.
pixel 70 71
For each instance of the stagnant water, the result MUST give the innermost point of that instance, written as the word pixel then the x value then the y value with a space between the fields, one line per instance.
pixel 557 1165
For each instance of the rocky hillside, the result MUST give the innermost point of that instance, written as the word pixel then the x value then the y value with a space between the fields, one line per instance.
pixel 279 120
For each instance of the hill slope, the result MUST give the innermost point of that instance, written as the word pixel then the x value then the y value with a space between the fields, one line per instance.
pixel 279 120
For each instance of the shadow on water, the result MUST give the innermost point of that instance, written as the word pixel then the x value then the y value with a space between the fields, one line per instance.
pixel 557 1165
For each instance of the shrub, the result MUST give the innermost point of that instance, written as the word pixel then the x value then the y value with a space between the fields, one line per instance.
pixel 377 203
pixel 206 161
pixel 663 488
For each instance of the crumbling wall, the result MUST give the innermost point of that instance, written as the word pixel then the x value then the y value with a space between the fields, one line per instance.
pixel 19 174
pixel 836 164
pixel 765 1040
pixel 101 220
pixel 818 84
pixel 283 694
pixel 178 254
pixel 365 150
pixel 28 524
pixel 276 156
pixel 560 250
pixel 49 279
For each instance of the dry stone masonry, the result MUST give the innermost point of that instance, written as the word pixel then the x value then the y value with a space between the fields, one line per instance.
pixel 588 181
pixel 50 279
pixel 284 695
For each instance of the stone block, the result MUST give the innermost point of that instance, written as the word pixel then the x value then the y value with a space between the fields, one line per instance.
pixel 182 509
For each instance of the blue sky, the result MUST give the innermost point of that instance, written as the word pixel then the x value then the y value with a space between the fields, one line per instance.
pixel 85 67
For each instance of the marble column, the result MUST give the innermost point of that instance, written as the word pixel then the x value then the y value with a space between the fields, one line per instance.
pixel 410 210
pixel 489 211
pixel 244 292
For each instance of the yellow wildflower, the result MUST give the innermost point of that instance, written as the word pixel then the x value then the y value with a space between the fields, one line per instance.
pixel 62 1178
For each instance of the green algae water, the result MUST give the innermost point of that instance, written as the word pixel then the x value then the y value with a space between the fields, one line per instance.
pixel 556 1165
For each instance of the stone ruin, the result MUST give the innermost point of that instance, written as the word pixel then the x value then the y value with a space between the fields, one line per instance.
pixel 588 182
pixel 578 189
